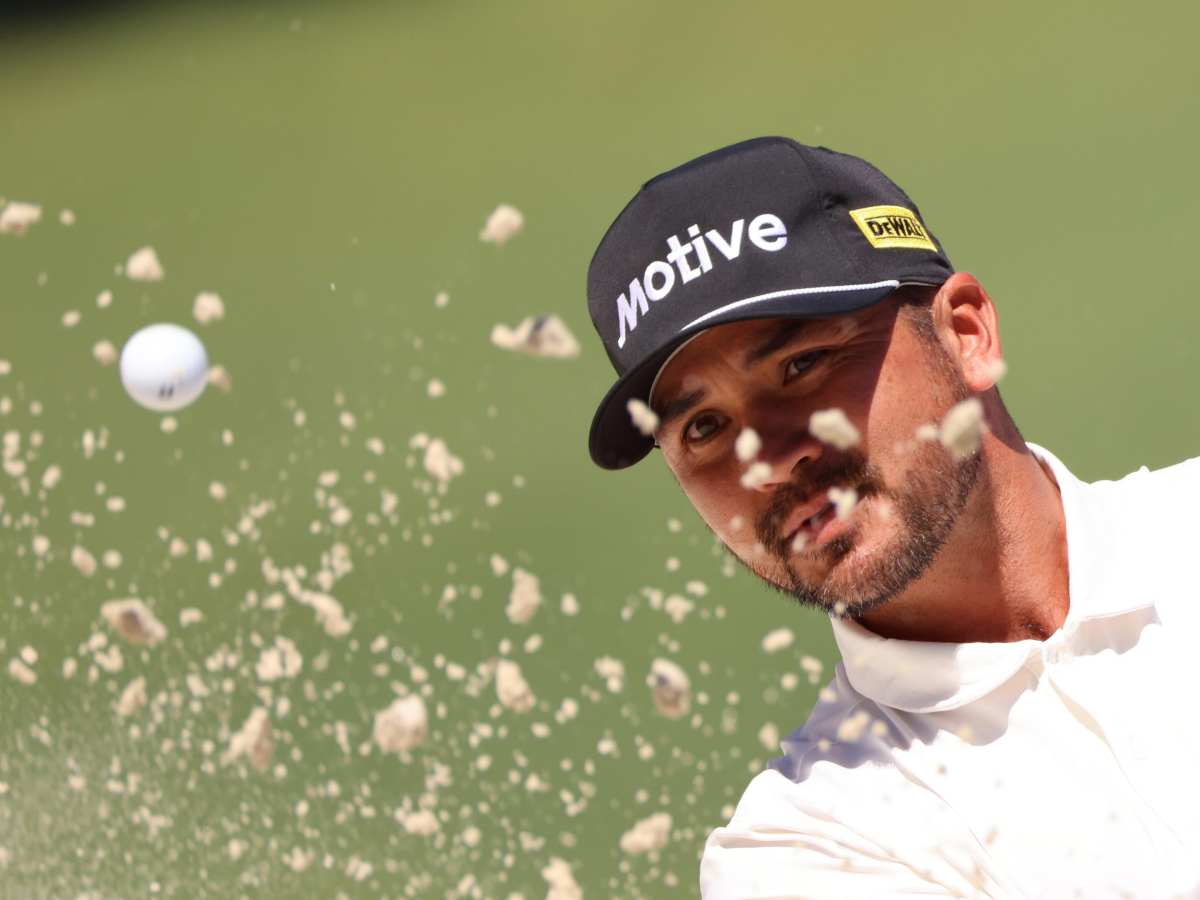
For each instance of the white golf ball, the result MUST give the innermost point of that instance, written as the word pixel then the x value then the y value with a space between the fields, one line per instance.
pixel 164 367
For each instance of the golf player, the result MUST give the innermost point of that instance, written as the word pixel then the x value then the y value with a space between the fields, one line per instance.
pixel 1014 713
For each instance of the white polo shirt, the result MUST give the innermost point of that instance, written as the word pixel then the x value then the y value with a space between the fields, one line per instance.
pixel 1062 768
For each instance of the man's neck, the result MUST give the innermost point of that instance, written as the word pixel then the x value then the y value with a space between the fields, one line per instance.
pixel 1003 575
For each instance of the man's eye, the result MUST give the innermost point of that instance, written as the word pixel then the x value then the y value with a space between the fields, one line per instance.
pixel 702 427
pixel 798 365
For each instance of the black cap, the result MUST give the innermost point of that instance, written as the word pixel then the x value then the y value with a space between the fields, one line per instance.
pixel 767 227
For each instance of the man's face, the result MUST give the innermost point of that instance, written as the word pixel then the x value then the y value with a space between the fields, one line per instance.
pixel 771 375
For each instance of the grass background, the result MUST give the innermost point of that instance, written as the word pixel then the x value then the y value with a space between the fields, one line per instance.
pixel 326 167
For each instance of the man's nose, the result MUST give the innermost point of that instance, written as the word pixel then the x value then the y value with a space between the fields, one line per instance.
pixel 787 444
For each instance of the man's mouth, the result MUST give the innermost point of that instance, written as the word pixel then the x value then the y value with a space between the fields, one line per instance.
pixel 811 526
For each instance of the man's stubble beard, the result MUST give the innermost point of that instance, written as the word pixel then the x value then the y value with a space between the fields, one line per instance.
pixel 927 509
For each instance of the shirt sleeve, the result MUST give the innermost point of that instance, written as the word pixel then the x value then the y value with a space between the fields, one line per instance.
pixel 769 863
pixel 797 841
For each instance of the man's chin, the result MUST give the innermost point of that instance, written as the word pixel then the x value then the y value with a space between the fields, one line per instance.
pixel 837 576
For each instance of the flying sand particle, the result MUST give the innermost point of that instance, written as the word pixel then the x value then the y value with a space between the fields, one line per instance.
pixel 996 370
pixel 643 417
pixel 281 660
pixel 330 614
pixel 502 225
pixel 756 475
pixel 927 432
pixel 208 307
pixel 669 688
pixel 612 671
pixel 16 217
pixel 962 428
pixel 525 597
pixel 561 882
pixel 852 727
pixel 132 698
pixel 768 736
pixel 651 833
pixel 104 353
pixel 677 608
pixel 747 445
pixel 545 335
pixel 19 671
pixel 779 639
pixel 82 560
pixel 423 822
pixel 219 377
pixel 132 620
pixel 844 501
pixel 512 689
pixel 254 741
pixel 832 427
pixel 440 462
pixel 402 726
pixel 143 265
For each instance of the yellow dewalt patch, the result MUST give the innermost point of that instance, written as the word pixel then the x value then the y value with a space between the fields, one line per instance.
pixel 892 226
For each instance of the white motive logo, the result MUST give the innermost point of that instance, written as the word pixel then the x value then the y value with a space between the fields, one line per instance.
pixel 765 231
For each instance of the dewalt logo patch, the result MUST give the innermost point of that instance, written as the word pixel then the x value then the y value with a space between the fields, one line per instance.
pixel 892 226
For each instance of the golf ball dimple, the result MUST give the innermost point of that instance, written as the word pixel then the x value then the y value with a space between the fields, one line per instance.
pixel 164 367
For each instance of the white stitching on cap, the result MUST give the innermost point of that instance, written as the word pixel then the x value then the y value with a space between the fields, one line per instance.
pixel 827 289
pixel 794 292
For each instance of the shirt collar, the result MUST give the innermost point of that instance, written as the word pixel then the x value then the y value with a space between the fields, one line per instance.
pixel 928 676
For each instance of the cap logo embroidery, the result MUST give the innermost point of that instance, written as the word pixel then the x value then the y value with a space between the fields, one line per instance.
pixel 892 226
pixel 765 231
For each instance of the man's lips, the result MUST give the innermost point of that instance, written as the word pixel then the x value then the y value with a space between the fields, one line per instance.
pixel 800 516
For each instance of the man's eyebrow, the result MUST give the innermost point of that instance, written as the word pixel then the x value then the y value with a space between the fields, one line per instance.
pixel 679 406
pixel 782 336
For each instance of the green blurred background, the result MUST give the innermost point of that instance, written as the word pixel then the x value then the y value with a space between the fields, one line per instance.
pixel 326 168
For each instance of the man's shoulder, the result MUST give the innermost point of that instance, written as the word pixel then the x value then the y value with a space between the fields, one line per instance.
pixel 846 739
pixel 841 718
pixel 832 817
pixel 1119 510
pixel 1163 483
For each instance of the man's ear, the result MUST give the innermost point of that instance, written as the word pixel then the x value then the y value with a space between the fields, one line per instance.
pixel 966 319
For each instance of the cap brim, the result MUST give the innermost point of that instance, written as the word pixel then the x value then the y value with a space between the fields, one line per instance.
pixel 615 442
